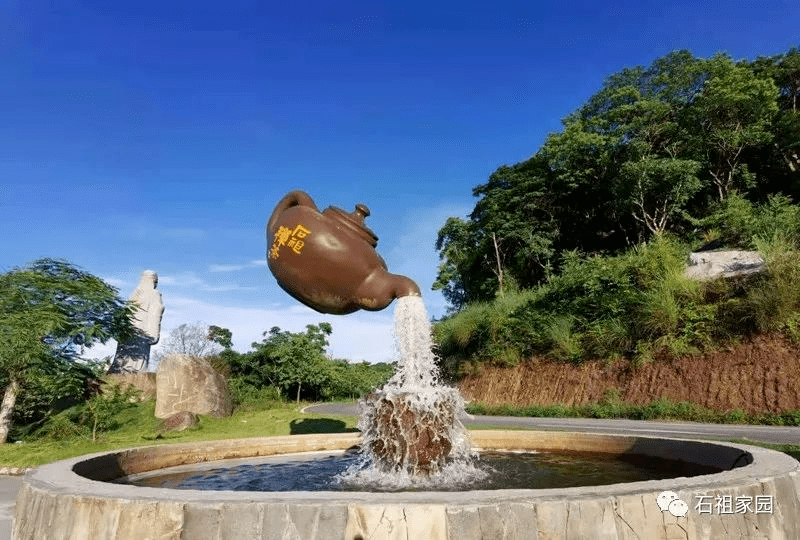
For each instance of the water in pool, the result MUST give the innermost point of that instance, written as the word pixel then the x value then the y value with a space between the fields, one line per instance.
pixel 506 470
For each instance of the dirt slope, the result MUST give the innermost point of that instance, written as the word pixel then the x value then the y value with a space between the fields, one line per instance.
pixel 760 375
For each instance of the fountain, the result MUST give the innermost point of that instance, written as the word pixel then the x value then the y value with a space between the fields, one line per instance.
pixel 411 425
pixel 327 260
pixel 76 500
pixel 412 437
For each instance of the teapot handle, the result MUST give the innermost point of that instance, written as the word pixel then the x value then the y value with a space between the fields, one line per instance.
pixel 294 198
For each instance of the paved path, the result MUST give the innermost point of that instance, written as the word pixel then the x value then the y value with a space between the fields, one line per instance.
pixel 679 430
pixel 8 493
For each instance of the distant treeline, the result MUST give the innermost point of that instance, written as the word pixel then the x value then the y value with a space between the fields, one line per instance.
pixel 294 365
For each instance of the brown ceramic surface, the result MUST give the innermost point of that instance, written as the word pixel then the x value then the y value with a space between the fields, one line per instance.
pixel 328 260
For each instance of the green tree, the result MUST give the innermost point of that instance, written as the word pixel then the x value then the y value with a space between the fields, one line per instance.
pixel 659 188
pixel 515 225
pixel 288 360
pixel 50 310
pixel 456 245
pixel 732 113
pixel 508 241
pixel 582 164
pixel 645 155
pixel 351 380
pixel 779 162
pixel 101 410
pixel 651 181
pixel 219 335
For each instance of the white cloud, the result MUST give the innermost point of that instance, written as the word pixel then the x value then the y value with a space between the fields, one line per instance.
pixel 187 279
pixel 236 267
pixel 230 287
pixel 101 351
pixel 357 337
pixel 118 283
pixel 190 279
pixel 226 267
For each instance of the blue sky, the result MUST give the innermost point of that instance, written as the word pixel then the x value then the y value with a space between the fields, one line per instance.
pixel 160 135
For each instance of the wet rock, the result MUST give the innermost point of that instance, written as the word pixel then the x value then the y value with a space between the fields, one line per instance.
pixel 409 438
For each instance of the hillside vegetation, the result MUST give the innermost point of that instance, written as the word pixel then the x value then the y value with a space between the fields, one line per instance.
pixel 578 253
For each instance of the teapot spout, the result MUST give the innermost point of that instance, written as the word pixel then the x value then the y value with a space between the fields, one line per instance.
pixel 382 288
pixel 403 286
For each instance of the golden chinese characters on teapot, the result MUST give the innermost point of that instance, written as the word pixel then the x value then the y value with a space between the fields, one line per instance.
pixel 292 239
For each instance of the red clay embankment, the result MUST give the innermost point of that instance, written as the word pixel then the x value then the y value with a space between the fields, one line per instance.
pixel 759 375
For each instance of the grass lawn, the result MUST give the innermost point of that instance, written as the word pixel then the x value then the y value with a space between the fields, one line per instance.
pixel 137 426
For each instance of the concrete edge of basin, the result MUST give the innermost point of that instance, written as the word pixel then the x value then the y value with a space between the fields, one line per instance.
pixel 72 493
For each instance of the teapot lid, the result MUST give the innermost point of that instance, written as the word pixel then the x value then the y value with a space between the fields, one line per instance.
pixel 354 222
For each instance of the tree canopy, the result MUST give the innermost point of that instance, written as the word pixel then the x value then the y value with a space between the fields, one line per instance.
pixel 656 149
pixel 298 365
pixel 49 311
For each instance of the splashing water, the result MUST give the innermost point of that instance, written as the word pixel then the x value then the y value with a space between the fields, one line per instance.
pixel 412 435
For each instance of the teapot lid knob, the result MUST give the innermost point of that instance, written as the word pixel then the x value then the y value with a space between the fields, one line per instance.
pixel 361 211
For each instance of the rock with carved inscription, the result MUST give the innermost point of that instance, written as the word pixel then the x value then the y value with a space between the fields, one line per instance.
pixel 186 383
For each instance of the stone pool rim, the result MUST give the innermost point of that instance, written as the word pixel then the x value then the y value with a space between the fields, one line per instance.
pixel 75 471
pixel 68 482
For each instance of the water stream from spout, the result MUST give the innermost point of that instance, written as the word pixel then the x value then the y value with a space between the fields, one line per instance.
pixel 411 427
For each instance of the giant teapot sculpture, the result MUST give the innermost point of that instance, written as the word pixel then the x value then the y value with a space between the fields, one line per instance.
pixel 328 260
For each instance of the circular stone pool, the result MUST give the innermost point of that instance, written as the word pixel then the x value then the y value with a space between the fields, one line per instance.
pixel 76 499
pixel 326 471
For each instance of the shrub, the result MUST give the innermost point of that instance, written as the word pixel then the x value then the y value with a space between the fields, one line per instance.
pixel 659 409
pixel 739 223
pixel 639 304
pixel 589 288
pixel 484 330
pixel 565 342
pixel 792 328
pixel 736 416
pixel 778 297
pixel 97 415
pixel 643 354
pixel 247 396
pixel 607 338
pixel 662 258
pixel 734 219
pixel 63 426
pixel 102 409
pixel 777 217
